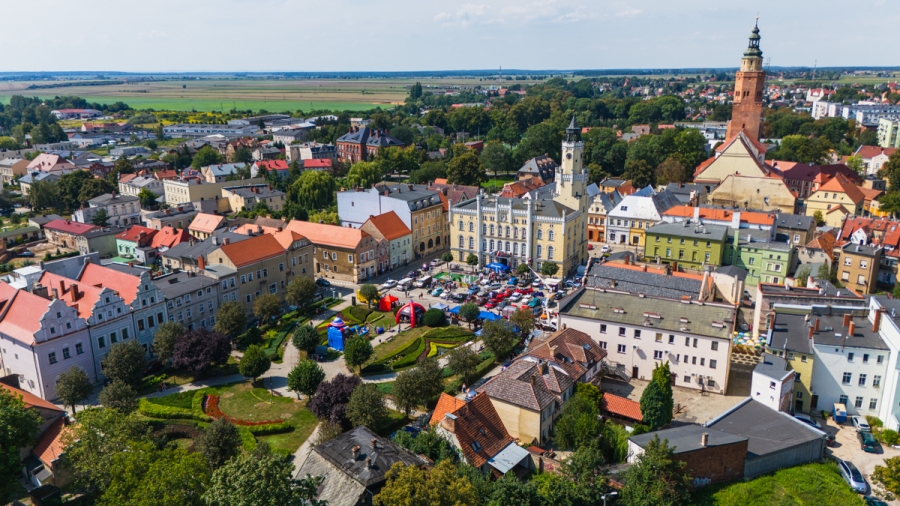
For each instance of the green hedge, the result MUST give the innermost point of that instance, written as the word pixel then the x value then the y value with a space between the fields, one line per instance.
pixel 247 439
pixel 272 428
pixel 357 313
pixel 456 334
pixel 197 406
pixel 152 410
pixel 410 358
pixel 434 348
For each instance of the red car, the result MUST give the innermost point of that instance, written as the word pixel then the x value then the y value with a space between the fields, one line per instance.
pixel 507 292
pixel 489 305
pixel 525 291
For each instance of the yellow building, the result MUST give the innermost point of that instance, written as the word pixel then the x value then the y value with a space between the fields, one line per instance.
pixel 836 199
pixel 512 231
pixel 181 192
pixel 741 155
pixel 248 197
pixel 766 194
pixel 789 339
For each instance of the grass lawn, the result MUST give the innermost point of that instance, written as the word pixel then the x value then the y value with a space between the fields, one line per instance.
pixel 397 419
pixel 401 340
pixel 386 388
pixel 811 484
pixel 175 377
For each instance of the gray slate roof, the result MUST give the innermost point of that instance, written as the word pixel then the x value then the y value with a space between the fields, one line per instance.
pixel 703 233
pixel 542 166
pixel 202 248
pixel 339 453
pixel 604 275
pixel 772 367
pixel 514 386
pixel 687 438
pixel 418 197
pixel 732 271
pixel 767 430
pixel 793 221
pixel 109 198
pixel 182 282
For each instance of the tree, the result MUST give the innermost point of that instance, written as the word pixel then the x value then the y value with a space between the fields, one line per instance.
pixel 314 189
pixel 331 398
pixel 300 291
pixel 509 490
pixel 148 198
pixel 42 195
pixel 248 480
pixel 472 259
pixel 369 292
pixel 434 318
pixel 306 338
pixel 242 155
pixel 100 218
pixel 254 363
pixel 19 426
pixel 325 216
pixel 447 257
pixel 220 442
pixel 198 351
pixel 364 174
pixel 418 386
pixel 656 479
pixel 888 475
pixel 126 361
pixel 549 268
pixel 523 319
pixel 73 387
pixel 469 312
pixel 428 443
pixel 539 139
pixel 230 319
pixel 266 307
pixel 670 171
pixel 357 350
pixel 463 361
pixel 305 378
pixel 205 156
pixel 466 169
pixel 406 397
pixel 589 392
pixel 663 376
pixel 523 269
pixel 889 202
pixel 802 275
pixel 158 132
pixel 578 424
pixel 167 334
pixel 414 486
pixel 856 164
pixel 428 172
pixel 165 477
pixel 120 396
pixel 640 172
pixel 653 406
pixel 500 338
pixel 497 158
pixel 819 217
pixel 367 407
pixel 891 171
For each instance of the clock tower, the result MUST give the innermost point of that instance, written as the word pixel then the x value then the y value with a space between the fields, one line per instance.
pixel 571 178
pixel 749 84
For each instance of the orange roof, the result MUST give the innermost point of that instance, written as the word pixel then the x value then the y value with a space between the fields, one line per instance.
pixel 49 446
pixel 871 194
pixel 22 319
pixel 703 165
pixel 165 174
pixel 272 164
pixel 206 223
pixel 841 184
pixel 328 235
pixel 255 249
pixel 125 284
pixel 440 180
pixel 446 404
pixel 253 228
pixel 390 225
pixel 872 151
pixel 711 213
pixel 839 208
pixel 621 407
pixel 653 270
pixel 478 421
pixel 824 242
pixel 169 236
pixel 753 142
pixel 31 400
pixel 782 164
pixel 286 238
pixel 134 233
pixel 85 299
pixel 124 178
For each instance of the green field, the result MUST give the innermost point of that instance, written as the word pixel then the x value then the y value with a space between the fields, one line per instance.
pixel 194 104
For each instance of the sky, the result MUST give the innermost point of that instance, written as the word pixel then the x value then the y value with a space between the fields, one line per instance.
pixel 403 35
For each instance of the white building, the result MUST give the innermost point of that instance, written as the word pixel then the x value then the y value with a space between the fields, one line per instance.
pixel 642 209
pixel 887 312
pixel 121 210
pixel 134 186
pixel 639 333
pixel 772 383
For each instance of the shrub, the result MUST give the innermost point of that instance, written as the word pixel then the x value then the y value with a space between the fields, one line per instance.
pixel 272 428
pixel 889 437
pixel 147 408
pixel 197 406
pixel 410 358
pixel 434 318
pixel 248 442
pixel 358 313
pixel 449 334
pixel 874 421
pixel 434 348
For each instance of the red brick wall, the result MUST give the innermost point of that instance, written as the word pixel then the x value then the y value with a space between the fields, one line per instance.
pixel 716 463
pixel 746 111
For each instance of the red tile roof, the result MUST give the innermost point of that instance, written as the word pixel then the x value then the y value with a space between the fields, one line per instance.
pixel 446 404
pixel 49 446
pixel 871 194
pixel 70 227
pixel 390 225
pixel 165 174
pixel 255 249
pixel 134 233
pixel 710 213
pixel 841 184
pixel 167 237
pixel 873 151
pixel 286 238
pixel 621 407
pixel 328 235
pixel 125 284
pixel 83 301
pixel 22 319
pixel 272 164
pixel 317 163
pixel 478 422
pixel 31 400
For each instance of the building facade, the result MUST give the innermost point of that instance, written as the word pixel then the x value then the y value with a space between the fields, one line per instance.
pixel 749 85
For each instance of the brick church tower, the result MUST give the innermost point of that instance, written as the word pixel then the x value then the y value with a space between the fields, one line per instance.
pixel 749 82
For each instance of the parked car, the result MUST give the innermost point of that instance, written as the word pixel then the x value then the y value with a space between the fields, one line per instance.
pixel 807 420
pixel 536 283
pixel 387 285
pixel 437 292
pixel 459 297
pixel 853 477
pixel 524 291
pixel 874 501
pixel 829 440
pixel 860 424
pixel 512 281
pixel 516 297
pixel 322 282
pixel 605 248
pixel 590 247
pixel 867 442
pixel 489 304
pixel 26 253
pixel 435 262
pixel 502 305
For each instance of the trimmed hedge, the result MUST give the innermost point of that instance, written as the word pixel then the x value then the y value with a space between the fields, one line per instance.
pixel 449 334
pixel 272 428
pixel 147 408
pixel 434 348
pixel 357 313
pixel 247 439
pixel 197 406
pixel 409 359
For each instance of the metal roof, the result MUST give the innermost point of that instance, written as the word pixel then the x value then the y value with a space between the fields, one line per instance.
pixel 688 438
pixel 768 431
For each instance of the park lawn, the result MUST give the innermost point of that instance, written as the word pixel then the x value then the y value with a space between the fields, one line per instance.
pixel 387 387
pixel 397 419
pixel 811 484
pixel 401 340
pixel 175 377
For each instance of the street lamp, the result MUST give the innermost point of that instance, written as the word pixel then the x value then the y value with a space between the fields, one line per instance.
pixel 611 494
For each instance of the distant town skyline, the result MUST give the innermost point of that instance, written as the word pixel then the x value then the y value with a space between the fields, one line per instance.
pixel 389 35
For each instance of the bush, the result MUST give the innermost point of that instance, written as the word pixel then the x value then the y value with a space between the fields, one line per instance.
pixel 874 421
pixel 434 348
pixel 409 359
pixel 358 313
pixel 197 406
pixel 889 437
pixel 147 408
pixel 272 428
pixel 248 442
pixel 449 334
pixel 434 318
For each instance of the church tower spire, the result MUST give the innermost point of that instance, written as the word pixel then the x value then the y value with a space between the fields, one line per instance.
pixel 749 84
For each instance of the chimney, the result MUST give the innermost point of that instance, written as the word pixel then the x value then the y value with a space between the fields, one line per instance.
pixel 876 321
pixel 374 444
pixel 565 326
pixel 62 286
pixel 704 439
pixel 553 350
pixel 130 264
pixel 368 463
pixel 811 331
pixel 55 294
pixel 226 241
pixel 846 321
pixel 201 263
pixel 817 324
pixel 533 380
pixel 410 187
pixel 75 294
pixel 696 214
pixel 627 260
pixel 449 422
pixel 851 328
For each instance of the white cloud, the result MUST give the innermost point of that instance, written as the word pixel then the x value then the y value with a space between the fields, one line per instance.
pixel 464 17
pixel 629 13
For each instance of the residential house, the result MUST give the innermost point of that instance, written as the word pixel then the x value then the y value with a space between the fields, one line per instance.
pixel 693 336
pixel 248 143
pixel 203 225
pixel 265 152
pixel 317 164
pixel 240 198
pixel 191 299
pixel 765 258
pixel 710 456
pixel 131 243
pixel 135 185
pixel 601 205
pixel 222 172
pixel 858 266
pixel 187 255
pixel 648 280
pixel 180 217
pixel 40 338
pixel 628 221
pixel 354 466
pixel 394 239
pixel 82 237
pixel 805 179
pixel 790 336
pixel 772 384
pixel 306 151
pixel 362 143
pixel 30 178
pixel 800 229
pixel 688 193
pixel 279 167
pixel 874 157
pixel 12 169
pixel 476 430
pixel 342 253
pixel 686 244
pixel 191 189
pixel 523 188
pixel 121 210
pixel 611 184
pixel 46 162
pixel 834 200
pixel 818 251
pixel 817 292
pixel 259 263
pixel 288 136
pixel 542 167
pixel 621 409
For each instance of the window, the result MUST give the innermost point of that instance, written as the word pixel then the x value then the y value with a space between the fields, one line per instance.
pixel 797 376
pixel 477 446
pixel 865 358
pixel 858 402
pixel 711 383
pixel 873 403
pixel 637 334
pixel 687 341
pixel 602 344
pixel 862 380
pixel 66 354
pixel 695 342
pixel 803 358
pixel 712 364
pixel 860 280
pixel 657 355
pixel 79 349
pixel 687 379
pixel 876 381
pixel 842 400
pixel 658 337
pixel 52 357
pixel 248 297
pixel 850 357
pixel 150 321
pixel 702 361
pixel 243 278
pixel 622 331
pixel 603 328
pixel 790 356
pixel 880 359
pixel 694 360
pixel 847 377
pixel 863 264
pixel 273 288
pixel 715 346
pixel 671 339
pixel 621 348
pixel 799 395
pixel 124 334
pixel 140 325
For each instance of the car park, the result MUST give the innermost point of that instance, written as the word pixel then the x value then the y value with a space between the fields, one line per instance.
pixel 437 292
pixel 860 424
pixel 867 442
pixel 852 476
pixel 516 297
pixel 807 420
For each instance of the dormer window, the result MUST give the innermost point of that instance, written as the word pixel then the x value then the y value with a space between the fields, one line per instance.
pixel 476 446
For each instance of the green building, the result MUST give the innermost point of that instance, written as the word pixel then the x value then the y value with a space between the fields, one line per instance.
pixel 691 246
pixel 766 259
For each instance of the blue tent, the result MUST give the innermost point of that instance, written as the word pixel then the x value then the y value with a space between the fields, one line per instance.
pixel 488 316
pixel 497 266
pixel 455 310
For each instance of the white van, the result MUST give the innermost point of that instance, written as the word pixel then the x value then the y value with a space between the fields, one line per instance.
pixel 404 284
pixel 423 281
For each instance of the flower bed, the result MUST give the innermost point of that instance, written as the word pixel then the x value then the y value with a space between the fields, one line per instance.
pixel 212 409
